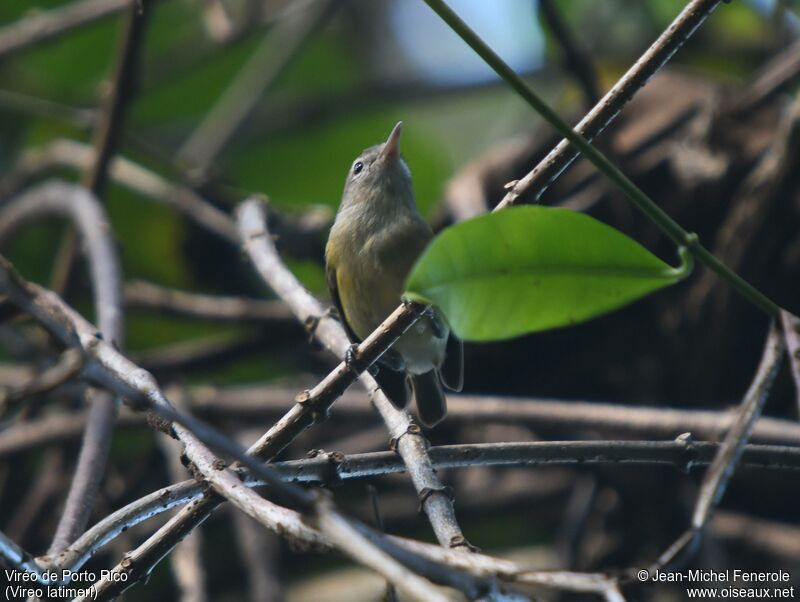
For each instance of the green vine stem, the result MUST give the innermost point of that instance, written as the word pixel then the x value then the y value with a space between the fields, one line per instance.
pixel 645 204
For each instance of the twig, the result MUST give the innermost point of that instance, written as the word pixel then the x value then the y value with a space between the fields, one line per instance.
pixel 596 120
pixel 68 365
pixel 144 295
pixel 357 541
pixel 576 59
pixel 751 206
pixel 51 430
pixel 50 481
pixel 791 332
pixel 186 559
pixel 268 401
pixel 86 214
pixel 46 25
pixel 301 237
pixel 771 78
pixel 47 109
pixel 681 454
pixel 267 64
pixel 259 551
pixel 109 127
pixel 209 351
pixel 728 456
pixel 406 436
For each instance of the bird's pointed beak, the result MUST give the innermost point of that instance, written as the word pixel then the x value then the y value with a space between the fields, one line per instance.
pixel 391 150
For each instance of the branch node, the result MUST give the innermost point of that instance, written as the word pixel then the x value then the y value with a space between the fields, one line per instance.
pixel 459 541
pixel 687 440
pixel 426 492
pixel 413 429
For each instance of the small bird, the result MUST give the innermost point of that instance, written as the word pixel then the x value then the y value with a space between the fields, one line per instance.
pixel 377 236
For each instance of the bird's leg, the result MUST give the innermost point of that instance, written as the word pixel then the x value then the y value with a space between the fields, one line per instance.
pixel 437 325
pixel 350 357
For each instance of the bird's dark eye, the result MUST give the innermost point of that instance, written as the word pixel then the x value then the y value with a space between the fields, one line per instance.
pixel 358 167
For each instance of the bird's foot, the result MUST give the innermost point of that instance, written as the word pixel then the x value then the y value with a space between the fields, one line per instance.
pixel 350 357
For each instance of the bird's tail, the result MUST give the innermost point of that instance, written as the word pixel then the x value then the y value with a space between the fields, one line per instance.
pixel 431 404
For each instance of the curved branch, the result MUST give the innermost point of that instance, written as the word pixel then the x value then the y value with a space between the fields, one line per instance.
pixel 145 295
pixel 84 210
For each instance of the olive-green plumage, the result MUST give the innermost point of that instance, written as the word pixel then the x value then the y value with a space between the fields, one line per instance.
pixel 376 238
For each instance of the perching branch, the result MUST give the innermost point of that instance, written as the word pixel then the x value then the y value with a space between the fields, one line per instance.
pixel 683 454
pixel 302 237
pixel 109 127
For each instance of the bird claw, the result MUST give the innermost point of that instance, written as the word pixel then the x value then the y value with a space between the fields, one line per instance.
pixel 350 356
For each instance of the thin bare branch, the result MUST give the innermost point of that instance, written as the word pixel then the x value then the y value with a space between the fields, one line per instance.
pixel 267 64
pixel 259 551
pixel 47 25
pixel 777 74
pixel 576 60
pixel 791 332
pixel 682 454
pixel 68 366
pixel 595 121
pixel 145 295
pixel 109 127
pixel 52 430
pixel 14 556
pixel 265 402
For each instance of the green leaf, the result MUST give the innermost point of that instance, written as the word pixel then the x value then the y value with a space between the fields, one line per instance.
pixel 527 269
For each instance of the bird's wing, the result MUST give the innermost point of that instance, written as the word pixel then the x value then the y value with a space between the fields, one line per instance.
pixel 392 381
pixel 333 288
